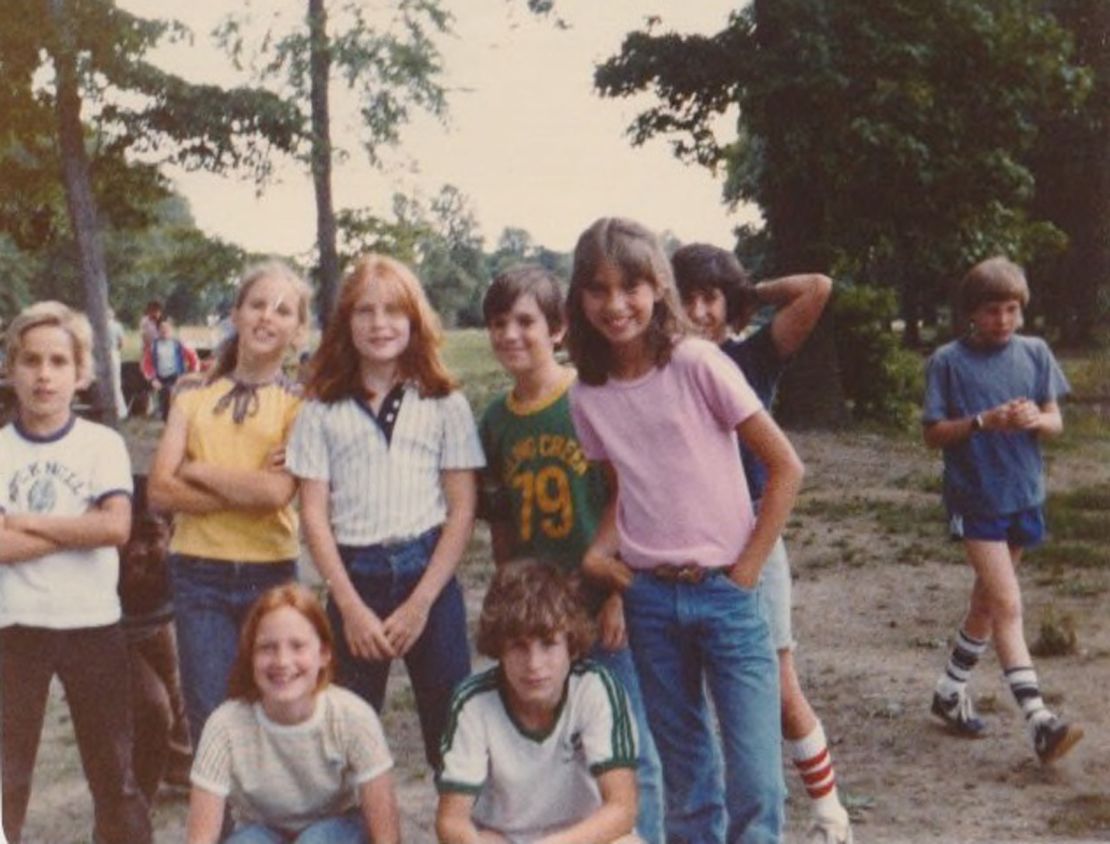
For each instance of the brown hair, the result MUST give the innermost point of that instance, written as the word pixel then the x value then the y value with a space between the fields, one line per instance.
pixel 636 253
pixel 531 598
pixel 702 267
pixel 241 684
pixel 333 372
pixel 54 314
pixel 996 279
pixel 227 356
pixel 526 280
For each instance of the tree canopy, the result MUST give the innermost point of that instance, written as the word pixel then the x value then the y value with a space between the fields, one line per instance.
pixel 390 65
pixel 889 143
pixel 75 70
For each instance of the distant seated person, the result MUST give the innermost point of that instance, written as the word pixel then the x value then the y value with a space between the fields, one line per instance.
pixel 541 747
pixel 166 360
pixel 162 749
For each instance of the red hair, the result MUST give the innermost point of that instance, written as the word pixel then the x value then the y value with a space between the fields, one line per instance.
pixel 333 372
pixel 241 685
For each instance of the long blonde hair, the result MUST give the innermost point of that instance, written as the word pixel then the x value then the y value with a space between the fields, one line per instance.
pixel 227 356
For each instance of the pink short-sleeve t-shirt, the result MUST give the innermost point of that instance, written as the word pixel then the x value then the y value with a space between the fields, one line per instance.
pixel 671 437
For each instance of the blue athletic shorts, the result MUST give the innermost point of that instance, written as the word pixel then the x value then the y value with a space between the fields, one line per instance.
pixel 1023 529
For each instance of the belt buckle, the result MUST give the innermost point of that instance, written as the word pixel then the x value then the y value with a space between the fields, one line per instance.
pixel 690 573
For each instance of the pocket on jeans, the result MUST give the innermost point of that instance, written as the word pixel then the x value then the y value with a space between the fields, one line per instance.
pixel 729 583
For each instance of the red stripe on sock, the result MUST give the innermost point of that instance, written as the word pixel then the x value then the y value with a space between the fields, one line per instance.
pixel 812 761
pixel 809 777
pixel 818 793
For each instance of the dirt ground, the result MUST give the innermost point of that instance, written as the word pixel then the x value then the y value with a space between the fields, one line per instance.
pixel 878 591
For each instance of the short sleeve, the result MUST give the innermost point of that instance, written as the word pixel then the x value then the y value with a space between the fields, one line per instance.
pixel 608 734
pixel 1052 383
pixel 493 496
pixel 465 747
pixel 936 393
pixel 293 406
pixel 212 759
pixel 592 446
pixel 759 360
pixel 461 448
pixel 363 738
pixel 112 472
pixel 728 395
pixel 306 455
pixel 486 438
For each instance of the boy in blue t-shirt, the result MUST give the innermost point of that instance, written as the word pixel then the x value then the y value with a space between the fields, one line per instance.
pixel 989 398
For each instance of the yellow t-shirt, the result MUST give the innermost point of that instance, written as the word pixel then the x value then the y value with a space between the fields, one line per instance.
pixel 237 535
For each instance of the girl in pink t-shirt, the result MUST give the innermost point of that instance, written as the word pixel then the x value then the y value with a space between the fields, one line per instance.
pixel 663 411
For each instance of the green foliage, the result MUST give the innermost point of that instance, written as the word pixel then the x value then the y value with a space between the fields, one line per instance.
pixel 391 65
pixel 129 103
pixel 1057 635
pixel 889 139
pixel 17 270
pixel 440 240
pixel 883 381
pixel 1076 282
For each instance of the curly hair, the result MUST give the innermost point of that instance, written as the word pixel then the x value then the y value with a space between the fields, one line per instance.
pixel 333 372
pixel 637 253
pixel 531 598
pixel 702 267
pixel 241 684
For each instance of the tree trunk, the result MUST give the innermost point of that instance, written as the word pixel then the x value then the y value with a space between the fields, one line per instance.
pixel 320 65
pixel 811 394
pixel 82 205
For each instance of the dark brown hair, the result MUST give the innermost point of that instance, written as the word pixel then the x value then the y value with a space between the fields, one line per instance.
pixel 637 254
pixel 702 267
pixel 522 280
pixel 533 599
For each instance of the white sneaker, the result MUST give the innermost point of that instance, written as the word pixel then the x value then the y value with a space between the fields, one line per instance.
pixel 830 832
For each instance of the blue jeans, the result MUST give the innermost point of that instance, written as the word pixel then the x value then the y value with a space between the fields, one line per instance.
pixel 384 576
pixel 210 601
pixel 346 829
pixel 649 772
pixel 684 638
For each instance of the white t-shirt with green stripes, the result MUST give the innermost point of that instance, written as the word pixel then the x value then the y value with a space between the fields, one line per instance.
pixel 530 784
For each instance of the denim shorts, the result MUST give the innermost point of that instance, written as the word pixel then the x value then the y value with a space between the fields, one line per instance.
pixel 775 590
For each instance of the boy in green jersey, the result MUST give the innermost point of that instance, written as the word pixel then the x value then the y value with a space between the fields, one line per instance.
pixel 541 496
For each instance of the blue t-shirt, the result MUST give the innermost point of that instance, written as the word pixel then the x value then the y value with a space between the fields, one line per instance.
pixel 992 473
pixel 760 362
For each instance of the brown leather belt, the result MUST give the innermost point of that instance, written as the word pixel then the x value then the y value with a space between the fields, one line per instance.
pixel 686 573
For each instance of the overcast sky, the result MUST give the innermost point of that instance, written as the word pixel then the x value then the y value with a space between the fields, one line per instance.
pixel 528 140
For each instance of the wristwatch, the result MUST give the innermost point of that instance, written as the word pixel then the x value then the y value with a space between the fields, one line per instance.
pixel 977 423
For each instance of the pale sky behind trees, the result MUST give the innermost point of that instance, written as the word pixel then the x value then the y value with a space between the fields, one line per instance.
pixel 528 141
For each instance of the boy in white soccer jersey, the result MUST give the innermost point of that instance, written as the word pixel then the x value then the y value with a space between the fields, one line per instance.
pixel 541 746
